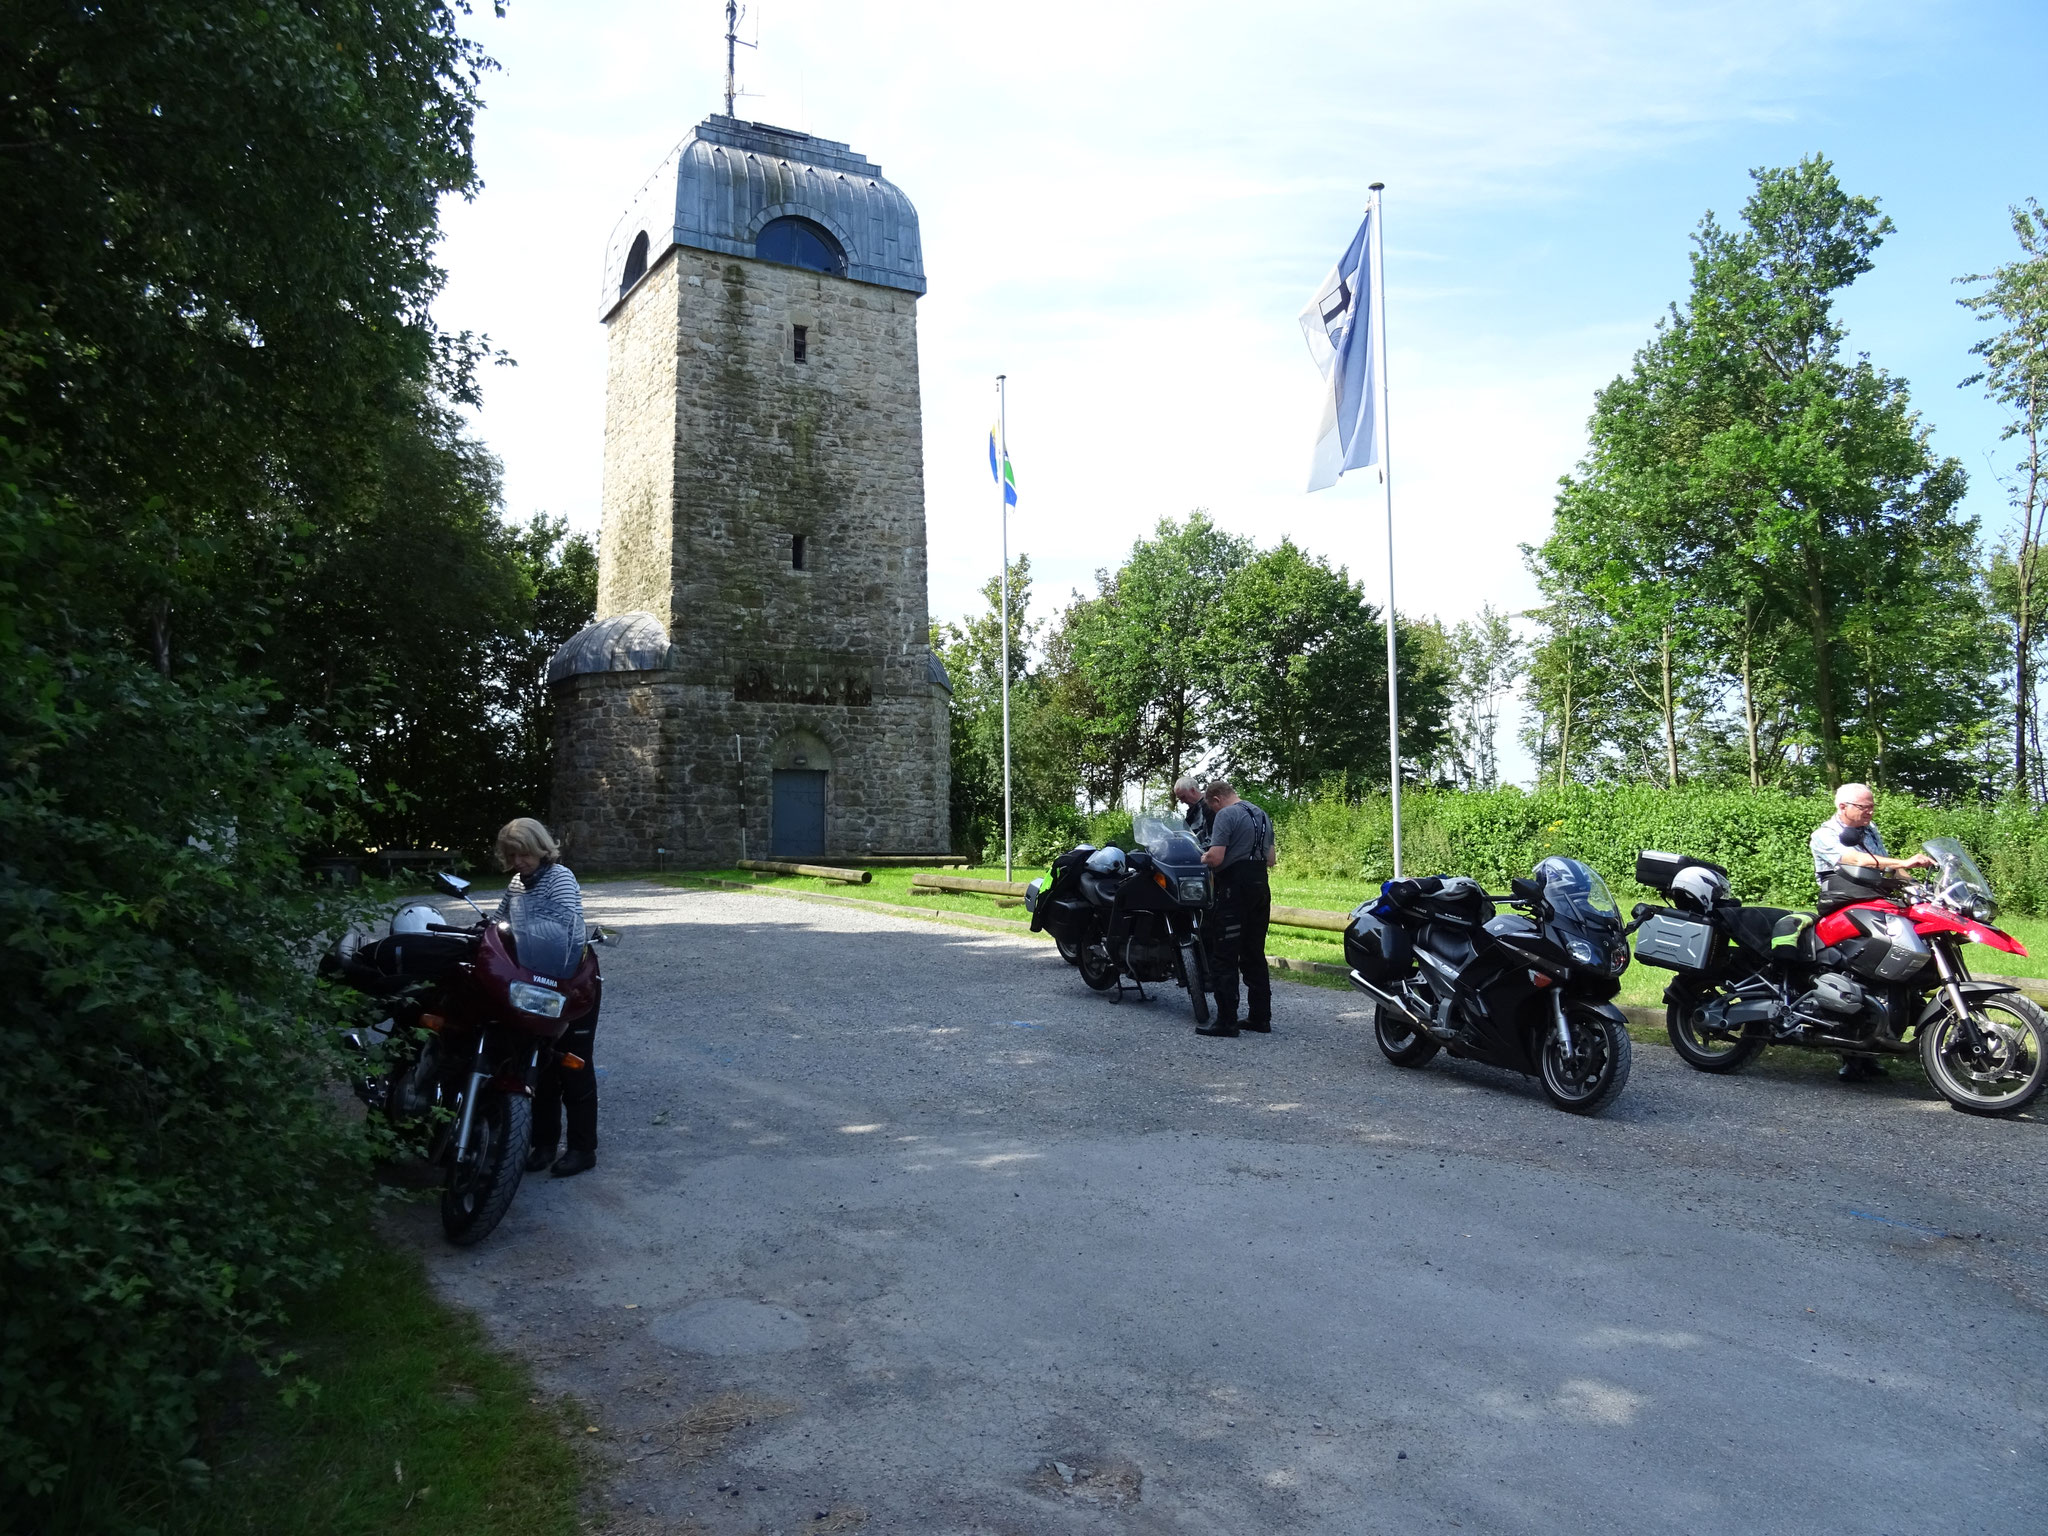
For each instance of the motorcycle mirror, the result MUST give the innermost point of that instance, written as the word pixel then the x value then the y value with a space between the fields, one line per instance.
pixel 1641 910
pixel 611 938
pixel 1527 890
pixel 449 885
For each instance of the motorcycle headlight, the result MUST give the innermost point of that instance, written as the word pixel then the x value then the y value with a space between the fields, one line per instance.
pixel 536 1000
pixel 1618 962
pixel 1582 952
pixel 1194 888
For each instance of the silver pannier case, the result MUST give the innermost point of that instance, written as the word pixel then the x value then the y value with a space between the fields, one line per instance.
pixel 1676 943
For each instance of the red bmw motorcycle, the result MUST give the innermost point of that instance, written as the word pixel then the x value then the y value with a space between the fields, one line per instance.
pixel 475 1013
pixel 1881 972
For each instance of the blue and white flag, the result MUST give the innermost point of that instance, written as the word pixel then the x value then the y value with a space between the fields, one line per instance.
pixel 1005 475
pixel 1338 326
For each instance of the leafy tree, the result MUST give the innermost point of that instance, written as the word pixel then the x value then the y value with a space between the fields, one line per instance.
pixel 2015 374
pixel 1750 490
pixel 1486 660
pixel 216 261
pixel 1142 651
pixel 1043 809
pixel 1299 662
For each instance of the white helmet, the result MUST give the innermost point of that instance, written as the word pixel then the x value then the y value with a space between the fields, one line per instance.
pixel 414 917
pixel 1704 886
pixel 1107 861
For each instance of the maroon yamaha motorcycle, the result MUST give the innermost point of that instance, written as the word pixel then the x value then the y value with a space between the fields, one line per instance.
pixel 475 1014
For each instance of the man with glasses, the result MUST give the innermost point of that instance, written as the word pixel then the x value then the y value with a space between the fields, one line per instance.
pixel 1849 838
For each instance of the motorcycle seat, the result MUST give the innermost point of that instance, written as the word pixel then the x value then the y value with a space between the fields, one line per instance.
pixel 1097 889
pixel 1449 942
pixel 1755 927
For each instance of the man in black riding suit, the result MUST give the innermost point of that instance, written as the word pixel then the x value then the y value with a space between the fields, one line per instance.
pixel 1849 838
pixel 1241 850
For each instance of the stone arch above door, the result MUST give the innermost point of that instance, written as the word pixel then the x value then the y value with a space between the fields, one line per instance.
pixel 800 749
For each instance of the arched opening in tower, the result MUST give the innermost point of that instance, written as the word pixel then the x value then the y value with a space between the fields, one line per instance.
pixel 799 243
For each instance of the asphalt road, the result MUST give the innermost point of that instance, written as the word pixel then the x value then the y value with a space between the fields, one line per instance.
pixel 898 1227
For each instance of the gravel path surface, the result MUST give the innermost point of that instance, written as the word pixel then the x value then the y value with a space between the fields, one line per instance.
pixel 898 1227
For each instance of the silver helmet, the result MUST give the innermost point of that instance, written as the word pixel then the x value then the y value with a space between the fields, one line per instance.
pixel 414 917
pixel 1107 861
pixel 1701 885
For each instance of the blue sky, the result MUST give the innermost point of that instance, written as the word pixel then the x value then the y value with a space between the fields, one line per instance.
pixel 1124 207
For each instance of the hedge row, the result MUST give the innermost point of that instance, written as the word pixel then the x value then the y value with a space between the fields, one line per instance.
pixel 1760 836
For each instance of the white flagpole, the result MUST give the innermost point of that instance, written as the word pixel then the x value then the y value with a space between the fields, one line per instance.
pixel 1379 363
pixel 1003 503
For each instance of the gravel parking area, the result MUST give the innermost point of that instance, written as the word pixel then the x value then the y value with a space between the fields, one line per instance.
pixel 898 1227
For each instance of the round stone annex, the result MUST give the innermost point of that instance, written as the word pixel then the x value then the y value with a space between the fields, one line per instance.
pixel 748 189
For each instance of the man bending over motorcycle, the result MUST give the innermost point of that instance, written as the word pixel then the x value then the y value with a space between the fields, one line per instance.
pixel 540 879
pixel 1849 838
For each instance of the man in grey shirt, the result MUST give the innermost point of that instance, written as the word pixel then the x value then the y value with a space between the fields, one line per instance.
pixel 1849 838
pixel 1241 850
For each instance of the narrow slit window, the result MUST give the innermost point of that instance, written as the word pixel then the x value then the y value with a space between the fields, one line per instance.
pixel 803 341
pixel 796 540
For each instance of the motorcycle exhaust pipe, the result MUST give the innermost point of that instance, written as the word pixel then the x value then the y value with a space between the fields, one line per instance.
pixel 1396 1007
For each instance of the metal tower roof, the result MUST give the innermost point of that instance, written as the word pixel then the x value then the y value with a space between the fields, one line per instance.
pixel 727 179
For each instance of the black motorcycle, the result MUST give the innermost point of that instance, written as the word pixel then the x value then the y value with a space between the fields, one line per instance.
pixel 1133 916
pixel 1529 990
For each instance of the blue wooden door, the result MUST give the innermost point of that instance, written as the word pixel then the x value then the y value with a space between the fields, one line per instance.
pixel 798 830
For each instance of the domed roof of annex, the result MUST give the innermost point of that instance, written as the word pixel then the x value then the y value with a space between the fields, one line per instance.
pixel 728 179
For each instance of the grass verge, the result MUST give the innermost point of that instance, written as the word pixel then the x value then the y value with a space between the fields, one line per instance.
pixel 392 1414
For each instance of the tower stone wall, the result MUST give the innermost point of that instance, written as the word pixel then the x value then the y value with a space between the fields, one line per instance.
pixel 724 449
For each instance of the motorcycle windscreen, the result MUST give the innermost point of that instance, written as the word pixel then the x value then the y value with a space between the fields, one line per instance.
pixel 1577 889
pixel 545 944
pixel 1958 882
pixel 1167 843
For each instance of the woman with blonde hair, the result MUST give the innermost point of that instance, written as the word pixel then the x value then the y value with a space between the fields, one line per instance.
pixel 549 897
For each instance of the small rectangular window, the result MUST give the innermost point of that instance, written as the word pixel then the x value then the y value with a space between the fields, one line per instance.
pixel 803 337
pixel 796 550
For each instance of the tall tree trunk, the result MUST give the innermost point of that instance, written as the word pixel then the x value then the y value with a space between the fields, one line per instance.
pixel 1670 713
pixel 2025 570
pixel 1823 668
pixel 1564 729
pixel 1756 778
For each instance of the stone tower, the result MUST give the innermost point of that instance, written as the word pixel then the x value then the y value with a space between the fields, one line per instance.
pixel 759 680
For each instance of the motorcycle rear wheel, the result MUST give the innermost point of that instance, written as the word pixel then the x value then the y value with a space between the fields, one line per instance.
pixel 1096 968
pixel 2008 1075
pixel 1700 1050
pixel 476 1196
pixel 1587 1079
pixel 1399 1041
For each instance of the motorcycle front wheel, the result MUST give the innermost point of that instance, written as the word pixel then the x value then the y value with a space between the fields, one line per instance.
pixel 1702 1049
pixel 1195 976
pixel 1069 950
pixel 1588 1076
pixel 1399 1041
pixel 479 1192
pixel 2003 1075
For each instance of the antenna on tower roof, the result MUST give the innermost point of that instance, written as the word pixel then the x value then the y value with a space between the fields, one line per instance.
pixel 734 12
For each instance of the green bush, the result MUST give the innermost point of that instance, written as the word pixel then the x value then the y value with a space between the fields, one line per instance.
pixel 169 1149
pixel 1760 836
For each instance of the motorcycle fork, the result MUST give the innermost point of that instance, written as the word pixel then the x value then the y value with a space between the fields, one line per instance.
pixel 1951 985
pixel 1564 1030
pixel 465 1126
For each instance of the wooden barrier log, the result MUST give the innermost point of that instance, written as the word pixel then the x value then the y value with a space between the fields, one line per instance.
pixel 1308 917
pixel 958 883
pixel 815 871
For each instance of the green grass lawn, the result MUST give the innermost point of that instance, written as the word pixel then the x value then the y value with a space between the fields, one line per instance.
pixel 1642 986
pixel 395 1416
